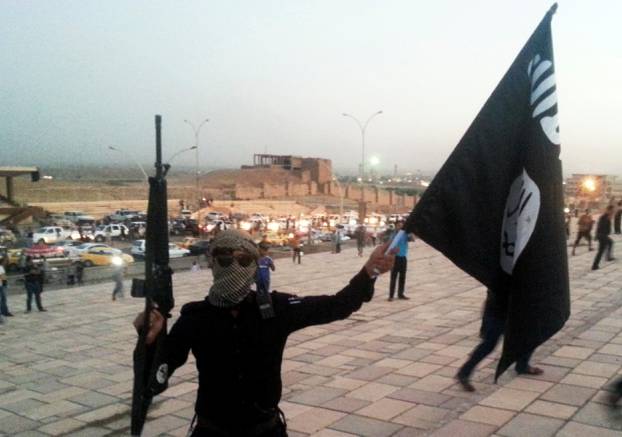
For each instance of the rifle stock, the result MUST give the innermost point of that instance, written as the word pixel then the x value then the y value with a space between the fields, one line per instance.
pixel 156 288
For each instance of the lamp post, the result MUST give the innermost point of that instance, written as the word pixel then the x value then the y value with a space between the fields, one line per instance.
pixel 179 153
pixel 197 131
pixel 133 159
pixel 363 128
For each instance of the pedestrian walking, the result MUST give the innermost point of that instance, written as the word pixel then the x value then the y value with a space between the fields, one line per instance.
pixel 618 219
pixel 360 234
pixel 79 273
pixel 398 272
pixel 374 237
pixel 337 240
pixel 117 276
pixel 195 267
pixel 584 230
pixel 493 326
pixel 296 248
pixel 33 281
pixel 265 265
pixel 605 243
pixel 239 369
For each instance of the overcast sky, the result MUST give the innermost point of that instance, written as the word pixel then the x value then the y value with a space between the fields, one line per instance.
pixel 78 76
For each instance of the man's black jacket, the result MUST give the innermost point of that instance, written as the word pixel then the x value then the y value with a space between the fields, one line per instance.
pixel 239 358
pixel 603 228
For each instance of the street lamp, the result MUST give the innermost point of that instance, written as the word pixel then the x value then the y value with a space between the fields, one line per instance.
pixel 363 127
pixel 197 131
pixel 133 159
pixel 179 153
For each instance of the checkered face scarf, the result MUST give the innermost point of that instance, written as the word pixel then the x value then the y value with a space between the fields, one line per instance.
pixel 232 283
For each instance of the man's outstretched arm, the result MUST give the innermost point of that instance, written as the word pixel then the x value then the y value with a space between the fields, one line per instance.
pixel 300 312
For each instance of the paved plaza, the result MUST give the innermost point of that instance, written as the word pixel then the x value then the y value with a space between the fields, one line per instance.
pixel 386 371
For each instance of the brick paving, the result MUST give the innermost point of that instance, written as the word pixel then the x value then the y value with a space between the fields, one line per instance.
pixel 386 371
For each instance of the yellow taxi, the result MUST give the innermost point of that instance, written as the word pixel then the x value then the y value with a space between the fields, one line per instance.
pixel 105 256
pixel 275 238
pixel 13 256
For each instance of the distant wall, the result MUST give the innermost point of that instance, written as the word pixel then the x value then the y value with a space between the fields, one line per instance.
pixel 373 195
pixel 248 192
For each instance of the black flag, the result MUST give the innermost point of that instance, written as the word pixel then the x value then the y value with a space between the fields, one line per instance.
pixel 496 206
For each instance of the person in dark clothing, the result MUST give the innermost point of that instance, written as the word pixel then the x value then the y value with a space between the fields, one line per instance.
pixel 296 246
pixel 586 222
pixel 240 367
pixel 493 326
pixel 33 280
pixel 617 219
pixel 361 235
pixel 79 273
pixel 605 243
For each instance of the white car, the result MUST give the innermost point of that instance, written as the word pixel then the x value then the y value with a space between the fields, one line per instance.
pixel 139 247
pixel 214 215
pixel 85 247
pixel 112 231
pixel 212 225
pixel 124 214
pixel 174 251
pixel 76 216
pixel 53 234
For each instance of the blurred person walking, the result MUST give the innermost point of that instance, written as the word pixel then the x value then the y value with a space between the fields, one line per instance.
pixel 584 226
pixel 117 276
pixel 360 234
pixel 605 243
pixel 337 240
pixel 617 219
pixel 195 267
pixel 493 326
pixel 296 248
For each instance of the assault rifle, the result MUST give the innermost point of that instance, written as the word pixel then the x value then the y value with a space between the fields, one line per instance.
pixel 156 288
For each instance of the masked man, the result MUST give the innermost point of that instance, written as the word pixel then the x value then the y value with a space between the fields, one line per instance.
pixel 238 341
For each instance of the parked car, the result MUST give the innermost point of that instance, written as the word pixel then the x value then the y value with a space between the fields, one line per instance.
pixel 214 215
pixel 68 245
pixel 112 231
pixel 75 216
pixel 42 250
pixel 13 256
pixel 184 227
pixel 7 236
pixel 139 248
pixel 200 247
pixel 104 256
pixel 212 225
pixel 52 234
pixel 85 247
pixel 123 214
pixel 174 251
pixel 186 242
